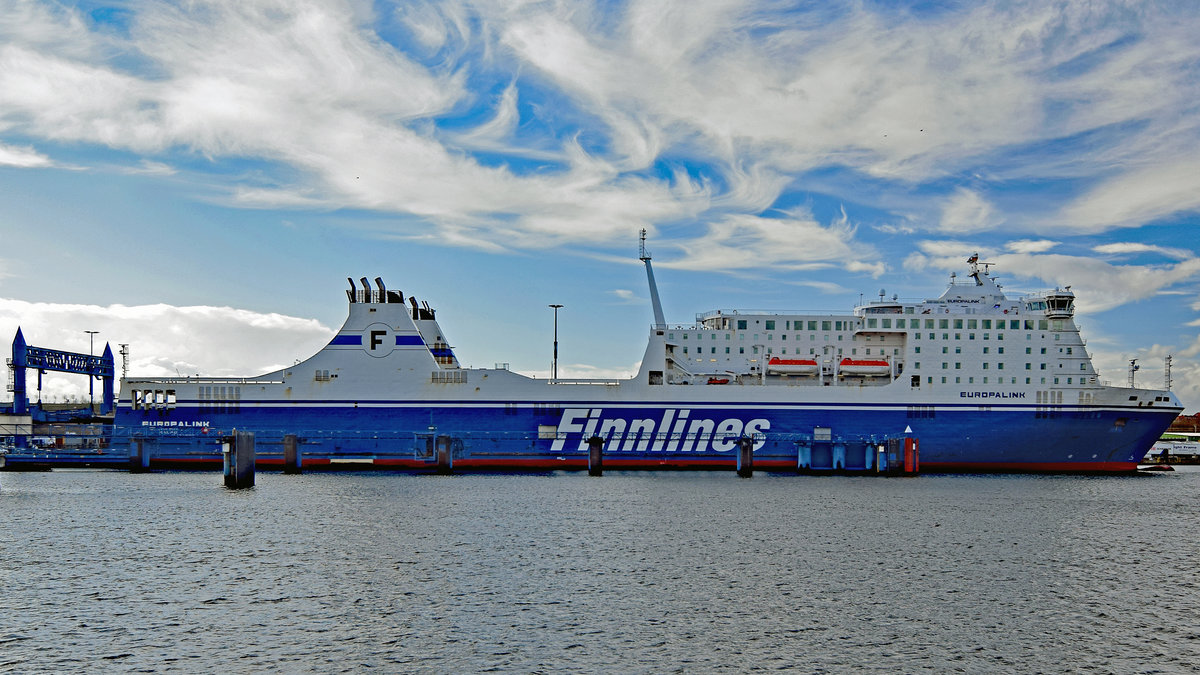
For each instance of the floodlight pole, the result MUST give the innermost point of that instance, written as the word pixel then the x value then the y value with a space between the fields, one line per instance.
pixel 91 380
pixel 554 363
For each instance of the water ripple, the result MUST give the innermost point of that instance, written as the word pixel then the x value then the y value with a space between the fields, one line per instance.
pixel 632 573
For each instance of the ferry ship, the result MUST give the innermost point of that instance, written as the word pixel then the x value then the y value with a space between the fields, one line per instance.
pixel 983 381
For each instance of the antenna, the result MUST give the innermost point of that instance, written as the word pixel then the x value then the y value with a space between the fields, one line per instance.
pixel 1167 373
pixel 642 247
pixel 1133 368
pixel 124 360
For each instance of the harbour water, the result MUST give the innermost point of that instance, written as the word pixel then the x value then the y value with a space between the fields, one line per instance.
pixel 104 571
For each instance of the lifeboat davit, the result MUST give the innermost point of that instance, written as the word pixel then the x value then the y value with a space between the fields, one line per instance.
pixel 792 366
pixel 864 367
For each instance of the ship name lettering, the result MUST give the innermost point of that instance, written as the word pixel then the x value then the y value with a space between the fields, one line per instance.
pixel 991 394
pixel 674 431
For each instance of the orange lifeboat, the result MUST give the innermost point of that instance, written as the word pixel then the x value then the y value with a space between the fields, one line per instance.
pixel 792 366
pixel 718 380
pixel 864 367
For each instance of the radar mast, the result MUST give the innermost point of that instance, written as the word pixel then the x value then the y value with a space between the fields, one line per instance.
pixel 659 321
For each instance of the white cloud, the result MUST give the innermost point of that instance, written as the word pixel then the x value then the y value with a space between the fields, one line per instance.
pixel 167 341
pixel 1031 246
pixel 1121 248
pixel 1136 196
pixel 967 211
pixel 743 242
pixel 25 157
pixel 752 98
pixel 1099 285
pixel 147 167
pixel 583 371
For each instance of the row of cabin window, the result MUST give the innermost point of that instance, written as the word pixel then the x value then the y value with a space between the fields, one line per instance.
pixel 985 324
pixel 881 351
pixel 1011 380
pixel 959 324
pixel 999 350
pixel 742 336
pixel 811 350
pixel 831 324
pixel 999 366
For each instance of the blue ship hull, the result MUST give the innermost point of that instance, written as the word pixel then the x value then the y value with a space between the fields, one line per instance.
pixel 497 437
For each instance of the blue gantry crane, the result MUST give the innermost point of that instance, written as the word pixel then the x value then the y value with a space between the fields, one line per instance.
pixel 26 356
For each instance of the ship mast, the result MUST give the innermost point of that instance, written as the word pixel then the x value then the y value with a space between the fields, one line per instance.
pixel 659 321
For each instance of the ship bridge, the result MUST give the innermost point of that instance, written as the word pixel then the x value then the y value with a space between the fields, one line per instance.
pixel 1057 304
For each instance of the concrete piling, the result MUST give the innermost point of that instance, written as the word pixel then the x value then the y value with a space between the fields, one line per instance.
pixel 239 460
pixel 595 456
pixel 139 456
pixel 745 457
pixel 291 454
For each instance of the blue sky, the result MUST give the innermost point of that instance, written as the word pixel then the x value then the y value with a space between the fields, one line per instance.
pixel 198 179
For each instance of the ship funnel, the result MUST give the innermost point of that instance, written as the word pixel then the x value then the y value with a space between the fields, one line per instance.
pixel 388 296
pixel 353 288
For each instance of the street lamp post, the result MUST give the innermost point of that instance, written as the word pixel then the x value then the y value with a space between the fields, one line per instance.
pixel 91 380
pixel 554 363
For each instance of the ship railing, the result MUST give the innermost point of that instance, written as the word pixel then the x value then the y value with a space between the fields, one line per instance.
pixel 593 381
pixel 701 316
pixel 198 379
